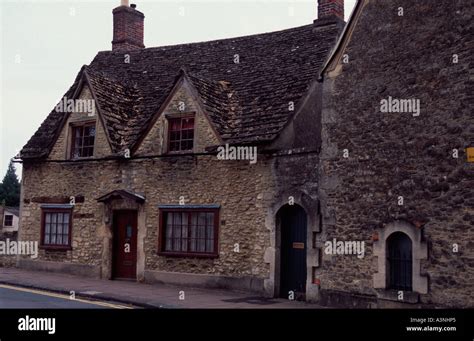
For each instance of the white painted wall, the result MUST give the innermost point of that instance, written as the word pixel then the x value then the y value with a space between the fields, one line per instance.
pixel 15 222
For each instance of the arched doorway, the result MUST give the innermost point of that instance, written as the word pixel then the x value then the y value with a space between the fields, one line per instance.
pixel 399 261
pixel 293 239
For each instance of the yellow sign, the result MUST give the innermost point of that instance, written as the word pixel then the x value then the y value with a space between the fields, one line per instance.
pixel 298 245
pixel 470 154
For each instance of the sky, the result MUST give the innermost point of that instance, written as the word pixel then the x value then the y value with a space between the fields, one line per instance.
pixel 44 43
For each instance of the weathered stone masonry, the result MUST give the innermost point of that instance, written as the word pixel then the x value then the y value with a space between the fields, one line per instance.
pixel 267 100
pixel 357 173
pixel 246 194
pixel 250 197
pixel 397 154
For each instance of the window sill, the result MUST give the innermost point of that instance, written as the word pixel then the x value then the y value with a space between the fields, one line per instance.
pixel 392 295
pixel 181 152
pixel 81 158
pixel 55 247
pixel 187 254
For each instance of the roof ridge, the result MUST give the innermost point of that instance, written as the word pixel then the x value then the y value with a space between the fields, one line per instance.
pixel 254 35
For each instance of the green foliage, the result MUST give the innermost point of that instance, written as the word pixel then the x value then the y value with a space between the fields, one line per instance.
pixel 10 188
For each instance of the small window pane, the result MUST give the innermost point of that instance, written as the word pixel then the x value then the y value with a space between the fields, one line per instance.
pixel 169 230
pixel 194 224
pixel 65 228
pixel 188 123
pixel 47 228
pixel 177 231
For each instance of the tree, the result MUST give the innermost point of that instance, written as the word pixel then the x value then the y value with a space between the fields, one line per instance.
pixel 10 188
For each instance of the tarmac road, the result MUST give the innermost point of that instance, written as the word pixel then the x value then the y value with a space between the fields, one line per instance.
pixel 12 297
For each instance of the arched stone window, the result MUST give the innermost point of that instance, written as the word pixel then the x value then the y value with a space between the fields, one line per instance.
pixel 399 262
pixel 399 251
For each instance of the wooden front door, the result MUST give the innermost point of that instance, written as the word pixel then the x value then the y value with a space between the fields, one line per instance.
pixel 125 245
pixel 293 252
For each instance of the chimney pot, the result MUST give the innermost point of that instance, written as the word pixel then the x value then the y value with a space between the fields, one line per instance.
pixel 124 3
pixel 133 6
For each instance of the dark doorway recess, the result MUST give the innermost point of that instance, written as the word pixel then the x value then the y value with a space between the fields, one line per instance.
pixel 293 227
pixel 399 247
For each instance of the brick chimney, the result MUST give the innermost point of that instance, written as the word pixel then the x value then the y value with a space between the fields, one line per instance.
pixel 331 9
pixel 128 28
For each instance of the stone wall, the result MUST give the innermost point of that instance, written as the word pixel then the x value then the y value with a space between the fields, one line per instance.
pixel 250 196
pixel 8 260
pixel 237 186
pixel 393 156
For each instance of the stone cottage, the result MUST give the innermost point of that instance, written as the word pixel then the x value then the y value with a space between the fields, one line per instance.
pixel 396 124
pixel 359 194
pixel 194 164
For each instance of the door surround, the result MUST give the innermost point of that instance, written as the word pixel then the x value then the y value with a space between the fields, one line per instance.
pixel 115 201
pixel 272 253
pixel 292 220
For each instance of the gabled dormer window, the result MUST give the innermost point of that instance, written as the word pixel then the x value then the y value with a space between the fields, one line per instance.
pixel 83 139
pixel 181 133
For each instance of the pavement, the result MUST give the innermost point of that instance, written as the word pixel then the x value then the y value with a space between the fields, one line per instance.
pixel 142 294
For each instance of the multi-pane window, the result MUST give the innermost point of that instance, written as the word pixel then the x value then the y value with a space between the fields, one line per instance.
pixel 56 228
pixel 8 220
pixel 190 232
pixel 181 134
pixel 83 138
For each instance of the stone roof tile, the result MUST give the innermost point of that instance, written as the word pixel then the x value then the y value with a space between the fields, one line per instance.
pixel 247 100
